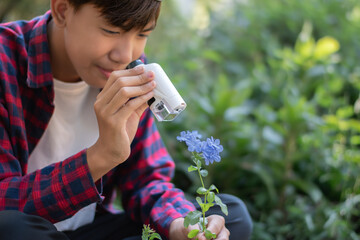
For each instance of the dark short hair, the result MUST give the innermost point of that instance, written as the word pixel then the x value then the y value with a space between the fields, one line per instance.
pixel 125 14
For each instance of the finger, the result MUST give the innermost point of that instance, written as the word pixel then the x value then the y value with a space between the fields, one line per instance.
pixel 126 93
pixel 200 235
pixel 108 94
pixel 130 77
pixel 140 110
pixel 216 223
pixel 133 80
pixel 223 235
pixel 134 105
pixel 123 73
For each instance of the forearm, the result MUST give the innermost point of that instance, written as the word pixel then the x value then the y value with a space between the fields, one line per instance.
pixel 98 162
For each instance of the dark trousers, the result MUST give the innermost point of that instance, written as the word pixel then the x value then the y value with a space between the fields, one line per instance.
pixel 15 225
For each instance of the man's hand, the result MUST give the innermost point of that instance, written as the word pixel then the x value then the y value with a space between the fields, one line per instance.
pixel 118 109
pixel 216 224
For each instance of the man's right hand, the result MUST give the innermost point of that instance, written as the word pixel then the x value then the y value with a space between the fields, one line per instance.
pixel 118 109
pixel 215 225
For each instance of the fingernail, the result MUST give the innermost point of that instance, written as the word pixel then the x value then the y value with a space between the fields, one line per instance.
pixel 150 74
pixel 139 67
pixel 152 83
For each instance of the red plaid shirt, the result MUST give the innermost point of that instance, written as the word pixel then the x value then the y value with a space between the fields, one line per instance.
pixel 59 190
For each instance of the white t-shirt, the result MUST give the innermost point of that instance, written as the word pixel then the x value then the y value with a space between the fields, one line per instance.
pixel 72 128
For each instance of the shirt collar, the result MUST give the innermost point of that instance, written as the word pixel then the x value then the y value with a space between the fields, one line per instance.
pixel 39 66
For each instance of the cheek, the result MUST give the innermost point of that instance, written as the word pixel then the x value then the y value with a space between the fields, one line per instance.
pixel 82 40
pixel 83 50
pixel 139 49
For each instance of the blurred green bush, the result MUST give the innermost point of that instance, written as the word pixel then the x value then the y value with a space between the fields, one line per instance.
pixel 278 83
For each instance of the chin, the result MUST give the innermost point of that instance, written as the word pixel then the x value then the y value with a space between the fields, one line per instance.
pixel 95 81
pixel 97 84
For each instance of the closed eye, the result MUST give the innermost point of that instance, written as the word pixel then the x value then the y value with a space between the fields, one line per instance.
pixel 143 35
pixel 146 32
pixel 109 31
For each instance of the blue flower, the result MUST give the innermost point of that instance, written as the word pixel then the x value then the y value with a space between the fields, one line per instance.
pixel 211 150
pixel 192 140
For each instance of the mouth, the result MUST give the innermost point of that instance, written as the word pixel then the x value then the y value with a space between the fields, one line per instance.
pixel 105 72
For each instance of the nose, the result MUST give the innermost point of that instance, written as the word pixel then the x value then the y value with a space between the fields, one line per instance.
pixel 122 52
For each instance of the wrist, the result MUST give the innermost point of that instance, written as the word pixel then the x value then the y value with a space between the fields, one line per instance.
pixel 97 163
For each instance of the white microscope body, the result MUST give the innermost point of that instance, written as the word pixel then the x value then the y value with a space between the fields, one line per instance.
pixel 167 103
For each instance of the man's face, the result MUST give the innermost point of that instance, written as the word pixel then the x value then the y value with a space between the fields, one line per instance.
pixel 95 48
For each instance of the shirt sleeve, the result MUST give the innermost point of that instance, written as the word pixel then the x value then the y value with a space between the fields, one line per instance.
pixel 148 195
pixel 55 192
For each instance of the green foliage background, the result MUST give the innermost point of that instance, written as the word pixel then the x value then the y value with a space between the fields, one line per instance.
pixel 278 83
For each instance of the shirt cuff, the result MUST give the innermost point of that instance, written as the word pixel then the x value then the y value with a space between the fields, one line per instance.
pixel 78 185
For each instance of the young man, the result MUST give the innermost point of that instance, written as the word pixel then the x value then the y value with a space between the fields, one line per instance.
pixel 75 129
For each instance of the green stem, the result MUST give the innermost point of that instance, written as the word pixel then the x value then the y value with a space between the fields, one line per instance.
pixel 202 183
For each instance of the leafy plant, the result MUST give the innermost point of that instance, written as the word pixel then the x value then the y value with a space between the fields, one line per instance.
pixel 149 234
pixel 278 82
pixel 209 151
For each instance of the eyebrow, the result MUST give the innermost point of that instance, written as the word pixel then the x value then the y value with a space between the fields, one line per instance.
pixel 149 28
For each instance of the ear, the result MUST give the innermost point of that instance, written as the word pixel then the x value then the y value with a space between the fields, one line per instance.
pixel 59 9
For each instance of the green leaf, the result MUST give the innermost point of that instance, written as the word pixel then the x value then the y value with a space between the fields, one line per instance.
pixel 206 105
pixel 355 140
pixel 187 221
pixel 202 190
pixel 198 163
pixel 209 235
pixel 192 168
pixel 309 222
pixel 305 44
pixel 212 55
pixel 222 205
pixel 155 236
pixel 211 197
pixel 308 187
pixel 149 234
pixel 345 112
pixel 272 136
pixel 193 233
pixel 192 218
pixel 264 174
pixel 191 65
pixel 354 125
pixel 204 173
pixel 199 201
pixel 213 187
pixel 325 47
pixel 206 206
pixel 224 209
